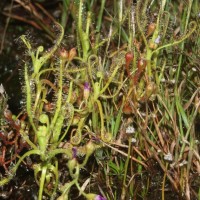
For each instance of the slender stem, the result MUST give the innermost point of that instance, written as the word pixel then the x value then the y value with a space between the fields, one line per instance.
pixel 84 39
pixel 163 183
pixel 59 94
pixel 99 21
pixel 28 99
pixel 124 187
pixel 183 44
pixel 53 153
pixel 102 119
pixel 42 181
pixel 110 79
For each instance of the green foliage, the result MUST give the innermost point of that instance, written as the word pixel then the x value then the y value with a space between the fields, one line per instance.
pixel 118 93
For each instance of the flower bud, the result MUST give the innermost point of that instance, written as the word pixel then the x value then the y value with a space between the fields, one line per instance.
pixel 76 120
pixel 152 45
pixel 86 91
pixel 90 148
pixel 129 57
pixel 72 54
pixel 151 87
pixel 151 29
pixel 99 197
pixel 72 164
pixel 127 109
pixel 64 54
pixel 92 196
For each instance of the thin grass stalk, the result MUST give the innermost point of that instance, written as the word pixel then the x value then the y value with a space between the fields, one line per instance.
pixel 59 100
pixel 186 22
pixel 119 11
pixel 164 182
pixel 64 17
pixel 124 186
pixel 99 21
pixel 188 131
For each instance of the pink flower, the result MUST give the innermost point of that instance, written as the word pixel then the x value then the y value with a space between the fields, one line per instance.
pixel 86 92
pixel 87 86
pixel 99 197
pixel 74 152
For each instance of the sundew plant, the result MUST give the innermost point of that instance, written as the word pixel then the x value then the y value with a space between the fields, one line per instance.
pixel 122 97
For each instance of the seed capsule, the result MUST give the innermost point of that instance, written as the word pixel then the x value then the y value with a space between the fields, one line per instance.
pixel 127 109
pixel 141 64
pixel 64 54
pixel 129 57
pixel 151 29
pixel 90 148
pixel 72 54
pixel 86 91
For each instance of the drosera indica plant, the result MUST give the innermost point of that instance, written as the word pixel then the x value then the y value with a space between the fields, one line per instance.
pixel 48 123
pixel 79 101
pixel 47 127
pixel 145 65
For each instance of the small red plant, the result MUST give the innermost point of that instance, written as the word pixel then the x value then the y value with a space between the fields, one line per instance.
pixel 11 141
